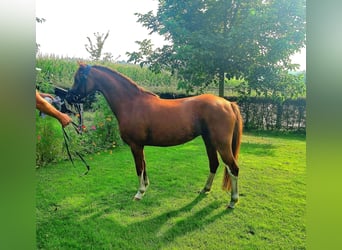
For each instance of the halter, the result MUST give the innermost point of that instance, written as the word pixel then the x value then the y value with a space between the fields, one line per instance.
pixel 83 72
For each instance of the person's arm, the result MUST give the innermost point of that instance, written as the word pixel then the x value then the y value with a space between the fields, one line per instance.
pixel 45 107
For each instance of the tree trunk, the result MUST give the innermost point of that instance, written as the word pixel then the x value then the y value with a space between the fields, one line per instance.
pixel 221 84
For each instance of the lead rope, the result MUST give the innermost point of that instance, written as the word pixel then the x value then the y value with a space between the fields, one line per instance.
pixel 80 118
pixel 66 140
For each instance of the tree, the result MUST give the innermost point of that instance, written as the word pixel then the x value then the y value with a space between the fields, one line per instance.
pixel 39 20
pixel 95 50
pixel 144 52
pixel 212 40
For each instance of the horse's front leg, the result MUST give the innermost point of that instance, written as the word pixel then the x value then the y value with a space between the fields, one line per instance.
pixel 140 165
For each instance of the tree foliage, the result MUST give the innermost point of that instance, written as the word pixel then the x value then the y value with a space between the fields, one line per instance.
pixel 95 49
pixel 212 40
pixel 278 86
pixel 39 20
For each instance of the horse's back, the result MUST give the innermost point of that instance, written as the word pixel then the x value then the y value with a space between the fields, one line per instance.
pixel 212 106
pixel 165 122
pixel 205 107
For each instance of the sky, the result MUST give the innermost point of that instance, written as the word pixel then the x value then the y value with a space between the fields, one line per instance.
pixel 69 23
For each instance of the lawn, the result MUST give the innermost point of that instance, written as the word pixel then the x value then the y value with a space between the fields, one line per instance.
pixel 96 211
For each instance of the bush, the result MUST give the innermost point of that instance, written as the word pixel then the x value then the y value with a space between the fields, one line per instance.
pixel 99 132
pixel 101 129
pixel 49 140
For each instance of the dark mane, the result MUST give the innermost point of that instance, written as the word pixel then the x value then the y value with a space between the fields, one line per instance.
pixel 131 83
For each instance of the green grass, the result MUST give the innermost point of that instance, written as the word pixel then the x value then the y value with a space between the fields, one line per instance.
pixel 97 212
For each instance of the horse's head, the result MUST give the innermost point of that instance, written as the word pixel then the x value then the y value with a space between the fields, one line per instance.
pixel 82 85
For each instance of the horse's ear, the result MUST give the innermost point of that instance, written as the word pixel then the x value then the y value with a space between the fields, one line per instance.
pixel 81 64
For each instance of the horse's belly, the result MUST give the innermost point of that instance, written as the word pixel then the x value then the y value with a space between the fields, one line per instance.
pixel 166 142
pixel 171 136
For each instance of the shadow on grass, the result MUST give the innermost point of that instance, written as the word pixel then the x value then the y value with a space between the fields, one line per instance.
pixel 298 136
pixel 149 233
pixel 161 230
pixel 195 221
pixel 260 149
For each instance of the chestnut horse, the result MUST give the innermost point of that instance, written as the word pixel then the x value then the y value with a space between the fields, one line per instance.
pixel 146 119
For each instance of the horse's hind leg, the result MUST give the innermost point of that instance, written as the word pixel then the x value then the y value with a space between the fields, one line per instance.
pixel 140 165
pixel 231 173
pixel 213 164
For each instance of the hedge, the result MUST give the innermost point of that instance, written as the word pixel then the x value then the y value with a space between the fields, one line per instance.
pixel 269 114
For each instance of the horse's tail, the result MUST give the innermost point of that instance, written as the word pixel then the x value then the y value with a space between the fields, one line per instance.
pixel 236 141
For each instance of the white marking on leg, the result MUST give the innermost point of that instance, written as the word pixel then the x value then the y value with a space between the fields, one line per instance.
pixel 235 191
pixel 146 181
pixel 209 183
pixel 142 187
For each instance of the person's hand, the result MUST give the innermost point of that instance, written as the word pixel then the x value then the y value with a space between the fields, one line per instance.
pixel 64 119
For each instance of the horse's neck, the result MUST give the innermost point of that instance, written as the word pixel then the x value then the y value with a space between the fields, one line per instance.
pixel 120 97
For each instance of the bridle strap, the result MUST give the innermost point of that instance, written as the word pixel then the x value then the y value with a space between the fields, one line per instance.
pixel 66 140
pixel 80 119
pixel 78 128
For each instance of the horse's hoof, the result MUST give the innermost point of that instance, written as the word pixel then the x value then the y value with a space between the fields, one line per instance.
pixel 232 204
pixel 138 196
